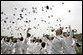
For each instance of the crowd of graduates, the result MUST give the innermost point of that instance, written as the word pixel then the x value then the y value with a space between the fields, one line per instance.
pixel 54 44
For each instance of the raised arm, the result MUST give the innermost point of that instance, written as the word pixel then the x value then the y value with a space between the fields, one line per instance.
pixel 71 33
pixel 28 30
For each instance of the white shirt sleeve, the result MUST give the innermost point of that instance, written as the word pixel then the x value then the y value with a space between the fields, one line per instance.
pixel 71 33
pixel 73 42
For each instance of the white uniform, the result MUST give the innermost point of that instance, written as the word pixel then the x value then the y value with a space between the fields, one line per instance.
pixel 74 45
pixel 18 47
pixel 48 45
pixel 36 48
pixel 27 40
pixel 69 42
pixel 25 46
pixel 30 49
pixel 3 47
pixel 28 46
pixel 43 51
pixel 57 43
pixel 10 50
pixel 47 42
pixel 13 50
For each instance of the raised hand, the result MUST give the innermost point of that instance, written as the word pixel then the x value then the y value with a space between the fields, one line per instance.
pixel 29 28
pixel 69 26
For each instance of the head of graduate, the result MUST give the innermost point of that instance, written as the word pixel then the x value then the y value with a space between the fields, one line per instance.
pixel 59 31
pixel 28 35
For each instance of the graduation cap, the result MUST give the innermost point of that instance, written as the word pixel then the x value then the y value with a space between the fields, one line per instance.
pixel 18 18
pixel 32 7
pixel 48 22
pixel 69 10
pixel 48 16
pixel 14 14
pixel 4 28
pixel 62 2
pixel 13 22
pixel 29 20
pixel 50 27
pixel 35 27
pixel 34 18
pixel 42 9
pixel 65 27
pixel 57 20
pixel 26 21
pixel 6 17
pixel 41 20
pixel 10 21
pixel 46 10
pixel 34 11
pixel 35 8
pixel 8 28
pixel 4 21
pixel 20 14
pixel 25 14
pixel 21 17
pixel 15 27
pixel 24 29
pixel 29 12
pixel 25 8
pixel 51 15
pixel 22 10
pixel 52 5
pixel 11 33
pixel 59 24
pixel 60 20
pixel 55 25
pixel 47 29
pixel 45 21
pixel 1 12
pixel 4 14
pixel 15 8
pixel 38 24
pixel 47 7
pixel 50 8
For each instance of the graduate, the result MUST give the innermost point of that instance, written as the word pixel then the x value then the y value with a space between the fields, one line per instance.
pixel 25 46
pixel 27 39
pixel 38 46
pixel 10 50
pixel 26 43
pixel 43 49
pixel 6 46
pixel 18 46
pixel 69 42
pixel 49 43
pixel 3 45
pixel 31 48
pixel 57 43
pixel 14 43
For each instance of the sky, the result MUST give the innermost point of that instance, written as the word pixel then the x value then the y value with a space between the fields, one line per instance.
pixel 37 15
